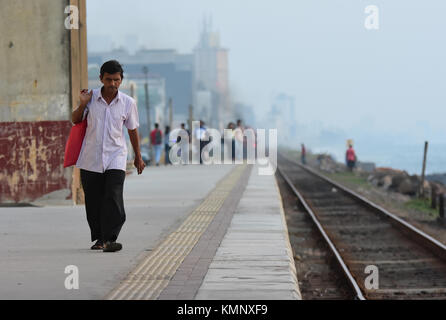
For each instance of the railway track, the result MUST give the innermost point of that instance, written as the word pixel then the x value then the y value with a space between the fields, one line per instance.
pixel 317 270
pixel 369 242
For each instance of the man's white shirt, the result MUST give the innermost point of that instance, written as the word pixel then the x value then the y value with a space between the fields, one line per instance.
pixel 104 146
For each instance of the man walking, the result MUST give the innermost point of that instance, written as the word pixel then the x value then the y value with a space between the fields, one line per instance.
pixel 156 139
pixel 103 155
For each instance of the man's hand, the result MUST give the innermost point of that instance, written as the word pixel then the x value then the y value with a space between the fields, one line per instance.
pixel 139 164
pixel 134 139
pixel 85 96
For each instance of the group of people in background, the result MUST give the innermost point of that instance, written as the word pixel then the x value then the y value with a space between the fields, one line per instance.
pixel 237 138
pixel 236 143
pixel 158 138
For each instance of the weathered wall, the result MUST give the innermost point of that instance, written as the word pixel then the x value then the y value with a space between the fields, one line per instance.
pixel 30 158
pixel 35 98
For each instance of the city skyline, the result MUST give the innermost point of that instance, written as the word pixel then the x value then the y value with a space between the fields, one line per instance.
pixel 339 72
pixel 377 87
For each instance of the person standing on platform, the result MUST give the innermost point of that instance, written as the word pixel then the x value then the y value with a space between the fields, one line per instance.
pixel 183 127
pixel 184 157
pixel 239 139
pixel 350 158
pixel 156 139
pixel 202 137
pixel 103 156
pixel 166 146
pixel 231 143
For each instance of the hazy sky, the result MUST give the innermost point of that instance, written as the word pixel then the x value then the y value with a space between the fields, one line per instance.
pixel 390 81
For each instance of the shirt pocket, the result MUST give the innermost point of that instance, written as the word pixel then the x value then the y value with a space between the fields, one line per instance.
pixel 117 121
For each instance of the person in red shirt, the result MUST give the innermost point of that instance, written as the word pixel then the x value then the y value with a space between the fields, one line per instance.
pixel 156 139
pixel 350 158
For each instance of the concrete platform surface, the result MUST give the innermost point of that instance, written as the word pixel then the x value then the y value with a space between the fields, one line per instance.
pixel 38 243
pixel 254 260
pixel 192 232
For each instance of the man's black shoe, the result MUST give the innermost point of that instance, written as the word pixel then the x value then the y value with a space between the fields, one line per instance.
pixel 99 245
pixel 111 246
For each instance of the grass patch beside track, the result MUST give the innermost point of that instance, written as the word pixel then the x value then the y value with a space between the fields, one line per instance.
pixel 358 182
pixel 349 178
pixel 423 205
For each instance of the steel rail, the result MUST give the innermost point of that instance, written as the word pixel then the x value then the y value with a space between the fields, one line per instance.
pixel 339 259
pixel 428 241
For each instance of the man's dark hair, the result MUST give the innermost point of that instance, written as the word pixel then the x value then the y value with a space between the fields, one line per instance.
pixel 156 125
pixel 112 67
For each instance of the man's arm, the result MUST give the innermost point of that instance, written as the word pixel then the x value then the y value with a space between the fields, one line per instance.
pixel 85 97
pixel 134 139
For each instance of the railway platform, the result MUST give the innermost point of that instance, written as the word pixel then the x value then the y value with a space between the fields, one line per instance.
pixel 192 232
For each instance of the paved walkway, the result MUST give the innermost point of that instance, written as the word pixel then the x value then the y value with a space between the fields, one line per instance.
pixel 192 232
pixel 38 243
pixel 255 259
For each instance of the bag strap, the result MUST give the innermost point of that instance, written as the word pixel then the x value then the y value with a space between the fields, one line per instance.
pixel 86 114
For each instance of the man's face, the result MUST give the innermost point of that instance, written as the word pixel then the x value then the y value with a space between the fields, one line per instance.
pixel 111 82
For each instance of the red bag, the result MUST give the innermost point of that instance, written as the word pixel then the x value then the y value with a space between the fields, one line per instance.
pixel 74 143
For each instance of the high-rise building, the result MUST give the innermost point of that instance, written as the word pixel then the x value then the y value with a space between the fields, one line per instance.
pixel 211 74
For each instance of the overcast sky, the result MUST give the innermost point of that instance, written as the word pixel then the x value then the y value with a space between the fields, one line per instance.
pixel 387 81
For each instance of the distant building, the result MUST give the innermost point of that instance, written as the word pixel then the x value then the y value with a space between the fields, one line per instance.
pixel 211 74
pixel 203 105
pixel 199 79
pixel 135 88
pixel 175 69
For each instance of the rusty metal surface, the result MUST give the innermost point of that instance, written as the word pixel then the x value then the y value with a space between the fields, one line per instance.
pixel 407 270
pixel 31 159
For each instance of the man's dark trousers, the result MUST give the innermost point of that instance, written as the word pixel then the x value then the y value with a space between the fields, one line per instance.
pixel 104 203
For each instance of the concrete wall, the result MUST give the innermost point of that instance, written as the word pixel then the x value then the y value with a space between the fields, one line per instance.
pixel 35 99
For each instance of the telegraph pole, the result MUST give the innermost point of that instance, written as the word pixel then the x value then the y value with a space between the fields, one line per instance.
pixel 170 114
pixel 191 117
pixel 423 171
pixel 145 70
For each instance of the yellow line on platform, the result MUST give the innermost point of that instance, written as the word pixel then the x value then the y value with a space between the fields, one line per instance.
pixel 148 279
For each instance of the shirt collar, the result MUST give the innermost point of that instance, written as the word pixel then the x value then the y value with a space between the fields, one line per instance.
pixel 117 98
